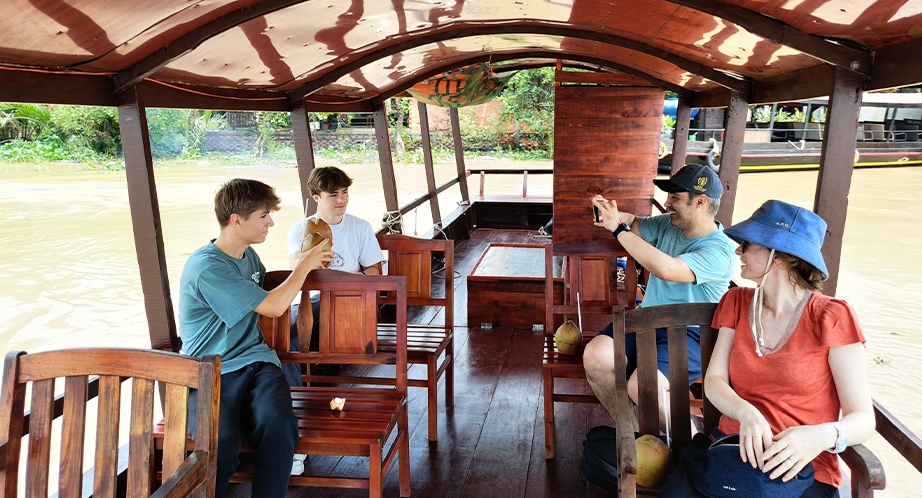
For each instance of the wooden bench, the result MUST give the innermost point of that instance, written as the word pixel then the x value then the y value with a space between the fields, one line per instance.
pixel 374 423
pixel 865 469
pixel 190 466
pixel 590 275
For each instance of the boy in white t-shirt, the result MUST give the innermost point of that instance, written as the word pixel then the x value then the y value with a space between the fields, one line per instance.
pixel 355 248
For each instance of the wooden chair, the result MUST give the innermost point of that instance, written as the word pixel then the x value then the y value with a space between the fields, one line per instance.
pixel 189 471
pixel 374 423
pixel 589 275
pixel 426 342
pixel 865 469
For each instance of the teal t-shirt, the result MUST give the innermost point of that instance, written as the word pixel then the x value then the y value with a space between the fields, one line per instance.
pixel 711 258
pixel 218 294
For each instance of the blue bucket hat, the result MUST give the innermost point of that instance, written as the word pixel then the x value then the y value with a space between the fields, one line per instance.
pixel 787 228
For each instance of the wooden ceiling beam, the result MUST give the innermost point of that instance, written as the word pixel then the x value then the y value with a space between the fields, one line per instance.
pixel 843 56
pixel 897 65
pixel 372 53
pixel 807 83
pixel 43 87
pixel 189 41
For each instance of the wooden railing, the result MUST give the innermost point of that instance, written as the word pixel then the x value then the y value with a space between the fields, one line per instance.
pixel 504 171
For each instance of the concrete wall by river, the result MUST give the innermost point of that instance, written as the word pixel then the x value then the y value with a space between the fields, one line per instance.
pixel 69 276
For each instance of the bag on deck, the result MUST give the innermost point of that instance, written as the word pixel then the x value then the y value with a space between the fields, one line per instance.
pixel 600 457
pixel 717 471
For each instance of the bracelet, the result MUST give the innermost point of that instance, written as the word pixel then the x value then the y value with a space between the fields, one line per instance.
pixel 621 228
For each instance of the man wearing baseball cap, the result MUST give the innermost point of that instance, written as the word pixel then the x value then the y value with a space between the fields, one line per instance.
pixel 689 260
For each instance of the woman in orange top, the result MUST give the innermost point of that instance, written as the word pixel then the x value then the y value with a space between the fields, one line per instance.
pixel 789 359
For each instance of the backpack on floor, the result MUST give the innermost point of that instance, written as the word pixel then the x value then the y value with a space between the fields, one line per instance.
pixel 600 457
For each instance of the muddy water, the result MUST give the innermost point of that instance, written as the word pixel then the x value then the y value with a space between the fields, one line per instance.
pixel 69 271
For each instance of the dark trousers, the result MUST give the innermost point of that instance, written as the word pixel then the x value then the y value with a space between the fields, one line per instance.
pixel 256 404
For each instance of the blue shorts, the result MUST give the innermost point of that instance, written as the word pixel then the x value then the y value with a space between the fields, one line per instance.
pixel 662 352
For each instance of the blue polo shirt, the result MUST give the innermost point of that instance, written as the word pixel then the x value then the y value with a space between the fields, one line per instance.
pixel 711 258
pixel 218 294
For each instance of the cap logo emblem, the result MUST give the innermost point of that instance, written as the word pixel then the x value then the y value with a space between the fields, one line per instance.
pixel 783 224
pixel 702 184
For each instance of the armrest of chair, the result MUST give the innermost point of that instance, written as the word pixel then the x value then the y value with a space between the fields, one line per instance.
pixel 865 469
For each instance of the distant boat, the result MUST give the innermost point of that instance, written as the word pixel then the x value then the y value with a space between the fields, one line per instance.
pixel 888 135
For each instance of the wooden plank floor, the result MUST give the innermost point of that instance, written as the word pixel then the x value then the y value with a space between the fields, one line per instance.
pixel 491 443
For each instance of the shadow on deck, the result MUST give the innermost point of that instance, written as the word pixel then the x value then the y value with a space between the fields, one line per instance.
pixel 491 443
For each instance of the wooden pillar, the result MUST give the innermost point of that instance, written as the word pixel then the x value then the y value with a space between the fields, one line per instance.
pixel 388 180
pixel 731 155
pixel 304 152
pixel 459 153
pixel 145 221
pixel 680 136
pixel 836 165
pixel 427 159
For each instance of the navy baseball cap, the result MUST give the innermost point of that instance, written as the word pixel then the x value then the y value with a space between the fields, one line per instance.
pixel 694 178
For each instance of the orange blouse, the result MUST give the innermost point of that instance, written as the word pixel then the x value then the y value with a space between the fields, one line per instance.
pixel 794 385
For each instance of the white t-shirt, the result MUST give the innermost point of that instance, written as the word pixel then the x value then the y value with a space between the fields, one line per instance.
pixel 354 243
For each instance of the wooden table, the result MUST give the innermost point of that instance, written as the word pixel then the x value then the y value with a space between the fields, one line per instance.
pixel 506 287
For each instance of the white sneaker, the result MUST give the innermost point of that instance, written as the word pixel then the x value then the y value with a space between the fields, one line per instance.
pixel 297 466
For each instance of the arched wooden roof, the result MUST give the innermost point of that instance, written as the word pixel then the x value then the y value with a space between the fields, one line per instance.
pixel 265 55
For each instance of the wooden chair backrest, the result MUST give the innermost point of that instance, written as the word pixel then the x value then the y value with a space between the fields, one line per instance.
pixel 588 276
pixel 412 258
pixel 348 320
pixel 76 368
pixel 675 318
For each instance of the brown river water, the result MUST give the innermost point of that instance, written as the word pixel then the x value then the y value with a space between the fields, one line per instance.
pixel 70 277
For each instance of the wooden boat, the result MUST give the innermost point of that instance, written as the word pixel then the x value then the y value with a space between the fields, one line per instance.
pixel 887 136
pixel 299 56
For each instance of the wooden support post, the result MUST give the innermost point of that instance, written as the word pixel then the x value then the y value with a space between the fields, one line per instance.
pixel 388 180
pixel 680 135
pixel 427 159
pixel 731 155
pixel 459 153
pixel 145 221
pixel 837 163
pixel 304 152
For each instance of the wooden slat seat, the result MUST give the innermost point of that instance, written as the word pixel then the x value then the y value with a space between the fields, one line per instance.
pixel 590 275
pixel 374 423
pixel 864 467
pixel 190 466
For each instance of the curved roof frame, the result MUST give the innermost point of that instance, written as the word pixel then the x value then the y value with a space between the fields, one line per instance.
pixel 760 25
pixel 363 57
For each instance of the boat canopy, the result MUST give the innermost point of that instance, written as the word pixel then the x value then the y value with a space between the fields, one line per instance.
pixel 351 55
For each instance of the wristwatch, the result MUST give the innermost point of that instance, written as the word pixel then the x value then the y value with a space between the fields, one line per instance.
pixel 841 439
pixel 624 227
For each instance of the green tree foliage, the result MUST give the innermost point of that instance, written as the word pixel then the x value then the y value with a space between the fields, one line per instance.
pixel 167 130
pixel 23 121
pixel 93 127
pixel 528 102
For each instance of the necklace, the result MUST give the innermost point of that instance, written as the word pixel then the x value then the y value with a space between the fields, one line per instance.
pixel 792 325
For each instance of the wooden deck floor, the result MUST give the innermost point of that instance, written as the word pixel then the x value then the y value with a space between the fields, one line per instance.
pixel 491 443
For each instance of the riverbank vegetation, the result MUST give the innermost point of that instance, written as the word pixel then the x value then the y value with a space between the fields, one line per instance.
pixel 31 133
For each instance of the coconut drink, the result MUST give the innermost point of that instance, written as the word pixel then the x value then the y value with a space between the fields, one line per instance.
pixel 653 461
pixel 314 233
pixel 568 338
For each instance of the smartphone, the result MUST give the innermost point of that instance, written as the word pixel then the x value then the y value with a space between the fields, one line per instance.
pixel 595 214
